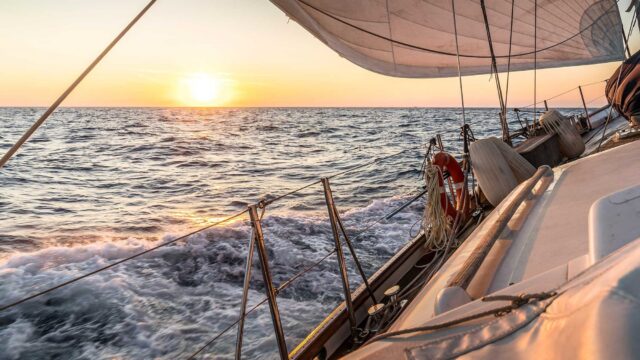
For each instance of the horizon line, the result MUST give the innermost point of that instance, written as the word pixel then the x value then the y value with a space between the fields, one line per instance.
pixel 277 107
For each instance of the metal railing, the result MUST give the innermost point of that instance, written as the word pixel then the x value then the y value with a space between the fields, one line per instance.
pixel 527 128
pixel 339 233
pixel 257 242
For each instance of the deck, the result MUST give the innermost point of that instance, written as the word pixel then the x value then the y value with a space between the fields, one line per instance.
pixel 544 250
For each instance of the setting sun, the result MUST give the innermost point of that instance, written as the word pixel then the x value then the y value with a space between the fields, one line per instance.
pixel 202 89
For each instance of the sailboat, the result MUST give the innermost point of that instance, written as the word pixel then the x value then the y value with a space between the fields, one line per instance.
pixel 548 266
pixel 530 244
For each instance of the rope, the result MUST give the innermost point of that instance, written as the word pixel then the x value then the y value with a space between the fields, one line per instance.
pixel 329 15
pixel 71 87
pixel 30 297
pixel 305 271
pixel 434 215
pixel 516 302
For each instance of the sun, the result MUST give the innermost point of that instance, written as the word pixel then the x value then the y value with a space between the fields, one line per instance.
pixel 201 89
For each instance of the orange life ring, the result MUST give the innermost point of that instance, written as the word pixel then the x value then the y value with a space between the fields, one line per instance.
pixel 446 162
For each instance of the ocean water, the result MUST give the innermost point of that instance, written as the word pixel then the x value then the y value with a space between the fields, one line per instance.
pixel 95 185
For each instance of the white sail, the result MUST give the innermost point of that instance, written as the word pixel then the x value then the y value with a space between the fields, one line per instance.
pixel 415 38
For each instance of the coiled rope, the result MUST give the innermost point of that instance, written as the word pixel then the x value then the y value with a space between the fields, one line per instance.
pixel 435 223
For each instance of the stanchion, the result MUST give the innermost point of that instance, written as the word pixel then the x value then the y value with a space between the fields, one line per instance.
pixel 341 262
pixel 586 111
pixel 266 275
pixel 245 295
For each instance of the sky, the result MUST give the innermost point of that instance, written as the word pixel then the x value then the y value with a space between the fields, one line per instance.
pixel 220 53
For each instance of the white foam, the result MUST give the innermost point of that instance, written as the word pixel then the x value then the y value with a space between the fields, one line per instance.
pixel 172 300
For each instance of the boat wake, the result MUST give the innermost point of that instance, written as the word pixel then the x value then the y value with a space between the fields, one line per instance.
pixel 168 303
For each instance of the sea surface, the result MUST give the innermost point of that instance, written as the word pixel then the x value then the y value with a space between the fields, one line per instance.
pixel 95 185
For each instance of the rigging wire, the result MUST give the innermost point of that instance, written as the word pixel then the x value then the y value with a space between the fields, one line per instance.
pixel 439 52
pixel 625 38
pixel 535 61
pixel 506 92
pixel 494 64
pixel 71 87
pixel 455 30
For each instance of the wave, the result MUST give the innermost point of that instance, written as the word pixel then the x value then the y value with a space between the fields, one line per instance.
pixel 170 301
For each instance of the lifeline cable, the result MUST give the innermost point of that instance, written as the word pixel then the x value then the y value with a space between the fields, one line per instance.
pixel 278 290
pixel 563 93
pixel 263 204
pixel 285 285
pixel 279 197
pixel 68 282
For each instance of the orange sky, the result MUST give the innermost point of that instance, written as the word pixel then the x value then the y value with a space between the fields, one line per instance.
pixel 248 50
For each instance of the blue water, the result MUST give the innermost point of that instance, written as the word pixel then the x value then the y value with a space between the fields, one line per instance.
pixel 95 185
